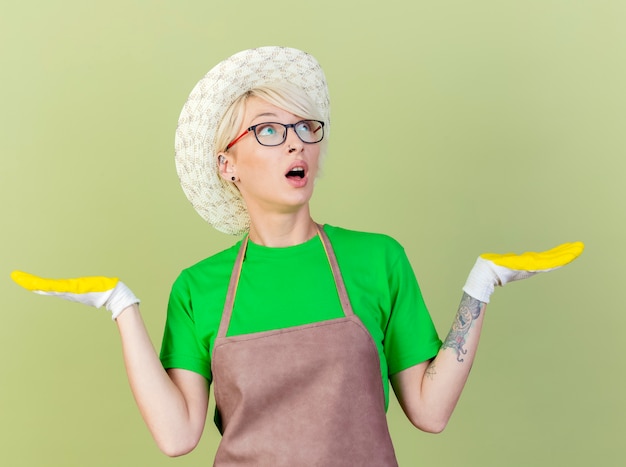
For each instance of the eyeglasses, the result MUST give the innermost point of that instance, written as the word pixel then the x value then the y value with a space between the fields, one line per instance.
pixel 275 134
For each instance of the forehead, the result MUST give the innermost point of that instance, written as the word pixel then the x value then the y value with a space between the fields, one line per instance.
pixel 257 109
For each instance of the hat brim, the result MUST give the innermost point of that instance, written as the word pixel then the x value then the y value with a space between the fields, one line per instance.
pixel 219 202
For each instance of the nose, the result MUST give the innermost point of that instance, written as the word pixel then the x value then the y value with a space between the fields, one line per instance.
pixel 294 143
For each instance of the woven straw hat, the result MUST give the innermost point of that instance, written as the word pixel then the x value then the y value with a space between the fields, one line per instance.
pixel 217 201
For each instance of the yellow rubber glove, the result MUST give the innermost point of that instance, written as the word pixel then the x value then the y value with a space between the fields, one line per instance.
pixel 93 291
pixel 493 269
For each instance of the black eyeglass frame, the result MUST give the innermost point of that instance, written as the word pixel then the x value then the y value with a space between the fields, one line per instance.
pixel 286 126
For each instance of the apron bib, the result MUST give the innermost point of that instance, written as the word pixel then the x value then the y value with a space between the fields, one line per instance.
pixel 307 395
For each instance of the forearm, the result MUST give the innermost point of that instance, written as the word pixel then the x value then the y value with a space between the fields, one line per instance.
pixel 429 392
pixel 447 374
pixel 161 402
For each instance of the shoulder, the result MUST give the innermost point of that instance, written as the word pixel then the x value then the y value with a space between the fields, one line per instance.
pixel 368 247
pixel 218 260
pixel 214 268
pixel 357 239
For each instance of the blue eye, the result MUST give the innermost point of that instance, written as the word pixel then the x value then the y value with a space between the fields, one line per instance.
pixel 303 127
pixel 266 129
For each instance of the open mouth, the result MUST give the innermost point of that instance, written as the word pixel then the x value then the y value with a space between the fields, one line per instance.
pixel 296 172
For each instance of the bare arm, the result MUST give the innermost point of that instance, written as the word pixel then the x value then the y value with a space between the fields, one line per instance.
pixel 173 403
pixel 428 392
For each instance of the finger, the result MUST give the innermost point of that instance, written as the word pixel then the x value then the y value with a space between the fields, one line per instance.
pixel 532 261
pixel 80 285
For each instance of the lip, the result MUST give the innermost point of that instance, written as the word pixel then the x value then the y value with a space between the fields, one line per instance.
pixel 295 181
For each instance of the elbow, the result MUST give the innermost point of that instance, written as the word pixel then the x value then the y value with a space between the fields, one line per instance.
pixel 174 451
pixel 433 428
pixel 433 425
pixel 177 448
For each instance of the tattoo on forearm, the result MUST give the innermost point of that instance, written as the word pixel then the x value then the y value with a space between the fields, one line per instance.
pixel 469 310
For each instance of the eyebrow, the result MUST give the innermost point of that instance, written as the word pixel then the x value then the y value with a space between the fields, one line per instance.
pixel 265 114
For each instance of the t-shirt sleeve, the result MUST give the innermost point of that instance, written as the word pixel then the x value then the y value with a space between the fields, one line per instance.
pixel 181 346
pixel 410 337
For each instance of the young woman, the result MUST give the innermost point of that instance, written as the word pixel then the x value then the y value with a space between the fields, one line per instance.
pixel 299 326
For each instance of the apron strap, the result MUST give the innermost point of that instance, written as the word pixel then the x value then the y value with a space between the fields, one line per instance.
pixel 232 289
pixel 334 266
pixel 234 281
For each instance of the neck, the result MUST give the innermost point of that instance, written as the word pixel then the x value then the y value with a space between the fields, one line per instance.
pixel 280 230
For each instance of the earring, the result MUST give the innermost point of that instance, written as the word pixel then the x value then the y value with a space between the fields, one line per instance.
pixel 221 159
pixel 233 178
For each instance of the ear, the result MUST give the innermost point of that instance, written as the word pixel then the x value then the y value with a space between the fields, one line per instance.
pixel 225 166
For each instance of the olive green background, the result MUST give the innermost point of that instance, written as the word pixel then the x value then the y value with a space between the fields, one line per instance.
pixel 457 127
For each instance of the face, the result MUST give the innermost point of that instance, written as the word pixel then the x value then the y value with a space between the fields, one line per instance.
pixel 271 178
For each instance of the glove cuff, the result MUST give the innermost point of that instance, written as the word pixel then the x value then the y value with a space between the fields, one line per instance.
pixel 481 281
pixel 121 298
